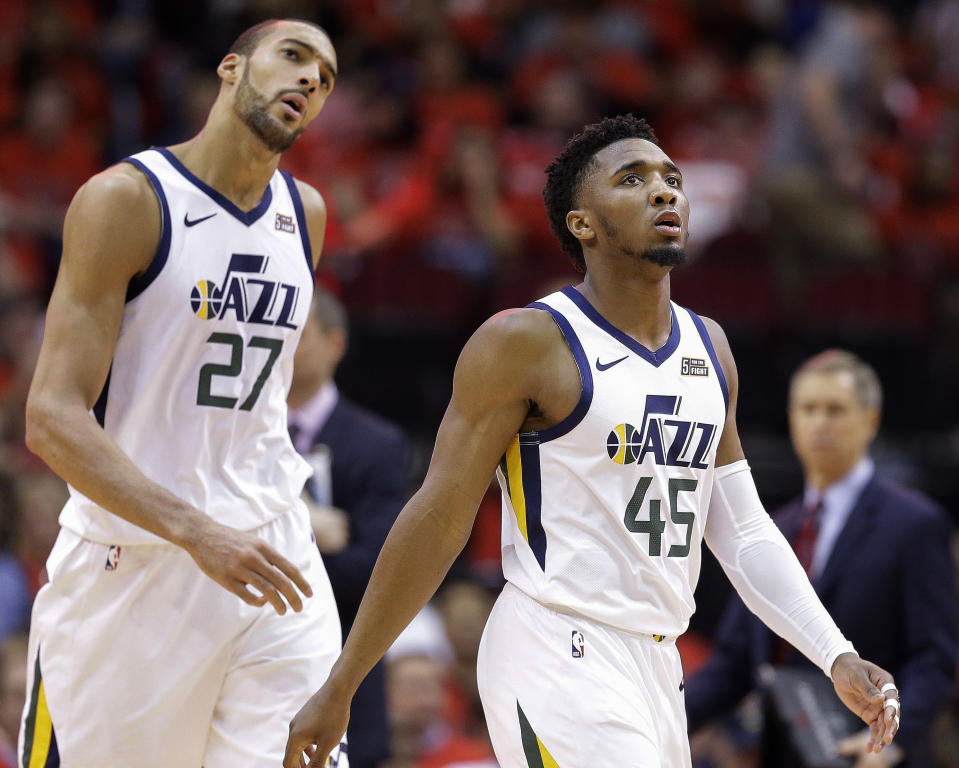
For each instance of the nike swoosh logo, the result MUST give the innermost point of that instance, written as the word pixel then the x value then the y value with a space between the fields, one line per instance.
pixel 606 366
pixel 188 223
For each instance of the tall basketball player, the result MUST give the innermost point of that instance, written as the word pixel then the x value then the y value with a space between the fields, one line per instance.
pixel 608 415
pixel 187 609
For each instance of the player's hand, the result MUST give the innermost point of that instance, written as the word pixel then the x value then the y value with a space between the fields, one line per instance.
pixel 316 729
pixel 855 746
pixel 248 567
pixel 858 684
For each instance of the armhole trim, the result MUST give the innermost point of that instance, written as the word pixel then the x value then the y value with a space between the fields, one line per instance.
pixel 585 375
pixel 140 283
pixel 708 343
pixel 301 219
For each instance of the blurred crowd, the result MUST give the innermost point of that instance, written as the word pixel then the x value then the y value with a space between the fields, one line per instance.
pixel 819 143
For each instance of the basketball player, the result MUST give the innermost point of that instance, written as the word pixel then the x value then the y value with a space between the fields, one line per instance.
pixel 187 607
pixel 608 415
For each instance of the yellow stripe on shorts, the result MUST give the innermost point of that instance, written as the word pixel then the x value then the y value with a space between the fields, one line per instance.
pixel 537 756
pixel 39 740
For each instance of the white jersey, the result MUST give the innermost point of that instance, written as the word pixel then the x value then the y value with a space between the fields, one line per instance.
pixel 196 395
pixel 604 513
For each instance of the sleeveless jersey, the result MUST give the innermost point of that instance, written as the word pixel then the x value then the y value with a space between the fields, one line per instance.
pixel 603 514
pixel 196 394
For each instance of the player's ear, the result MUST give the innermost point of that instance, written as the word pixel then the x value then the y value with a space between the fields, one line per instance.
pixel 231 68
pixel 579 223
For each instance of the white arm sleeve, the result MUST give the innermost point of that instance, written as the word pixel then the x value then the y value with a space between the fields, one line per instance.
pixel 764 570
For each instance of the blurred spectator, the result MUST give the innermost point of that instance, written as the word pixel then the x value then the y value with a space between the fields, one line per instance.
pixel 821 115
pixel 16 597
pixel 13 685
pixel 465 606
pixel 45 159
pixel 424 734
pixel 850 529
pixel 41 496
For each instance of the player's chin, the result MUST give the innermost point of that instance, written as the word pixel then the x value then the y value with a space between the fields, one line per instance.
pixel 670 254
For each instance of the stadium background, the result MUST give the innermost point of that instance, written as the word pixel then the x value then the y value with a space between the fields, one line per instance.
pixel 819 142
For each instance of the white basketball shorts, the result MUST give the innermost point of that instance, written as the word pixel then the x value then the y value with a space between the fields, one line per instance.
pixel 560 691
pixel 138 658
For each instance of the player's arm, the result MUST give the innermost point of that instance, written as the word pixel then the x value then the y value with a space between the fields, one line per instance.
pixel 764 570
pixel 493 386
pixel 110 235
pixel 314 209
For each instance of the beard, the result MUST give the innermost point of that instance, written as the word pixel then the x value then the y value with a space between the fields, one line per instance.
pixel 664 255
pixel 252 107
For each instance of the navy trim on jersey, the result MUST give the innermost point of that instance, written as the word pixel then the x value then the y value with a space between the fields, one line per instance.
pixel 708 343
pixel 100 406
pixel 138 284
pixel 246 217
pixel 301 218
pixel 656 358
pixel 533 495
pixel 585 375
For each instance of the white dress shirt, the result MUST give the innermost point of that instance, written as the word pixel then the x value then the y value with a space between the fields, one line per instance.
pixel 838 501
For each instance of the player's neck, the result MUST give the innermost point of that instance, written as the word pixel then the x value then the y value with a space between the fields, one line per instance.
pixel 227 156
pixel 637 304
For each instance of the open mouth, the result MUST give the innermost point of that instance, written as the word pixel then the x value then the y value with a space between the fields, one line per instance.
pixel 294 104
pixel 667 223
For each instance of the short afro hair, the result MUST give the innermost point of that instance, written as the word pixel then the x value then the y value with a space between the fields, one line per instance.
pixel 566 174
pixel 248 41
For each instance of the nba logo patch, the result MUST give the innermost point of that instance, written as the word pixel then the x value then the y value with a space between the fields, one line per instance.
pixel 579 644
pixel 113 558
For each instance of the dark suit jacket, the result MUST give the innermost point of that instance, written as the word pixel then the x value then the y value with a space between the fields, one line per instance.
pixel 889 585
pixel 370 477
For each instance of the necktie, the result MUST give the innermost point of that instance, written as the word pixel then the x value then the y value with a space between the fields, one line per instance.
pixel 804 545
pixel 804 542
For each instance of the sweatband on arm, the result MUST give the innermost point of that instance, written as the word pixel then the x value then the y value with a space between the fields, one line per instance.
pixel 764 570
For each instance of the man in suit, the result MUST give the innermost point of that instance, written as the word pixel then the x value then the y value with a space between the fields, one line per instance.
pixel 361 481
pixel 899 610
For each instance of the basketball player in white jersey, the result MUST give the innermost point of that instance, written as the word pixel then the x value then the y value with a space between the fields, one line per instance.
pixel 608 415
pixel 187 608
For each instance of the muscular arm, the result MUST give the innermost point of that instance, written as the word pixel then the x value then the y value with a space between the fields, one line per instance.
pixel 111 233
pixel 494 383
pixel 80 333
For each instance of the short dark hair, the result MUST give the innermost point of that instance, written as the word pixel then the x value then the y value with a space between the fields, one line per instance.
pixel 566 174
pixel 247 42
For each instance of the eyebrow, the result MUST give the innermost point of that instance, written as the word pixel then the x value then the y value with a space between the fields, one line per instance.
pixel 312 49
pixel 668 164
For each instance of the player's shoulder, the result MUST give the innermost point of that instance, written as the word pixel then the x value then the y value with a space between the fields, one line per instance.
pixel 312 199
pixel 114 220
pixel 520 332
pixel 508 354
pixel 121 187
